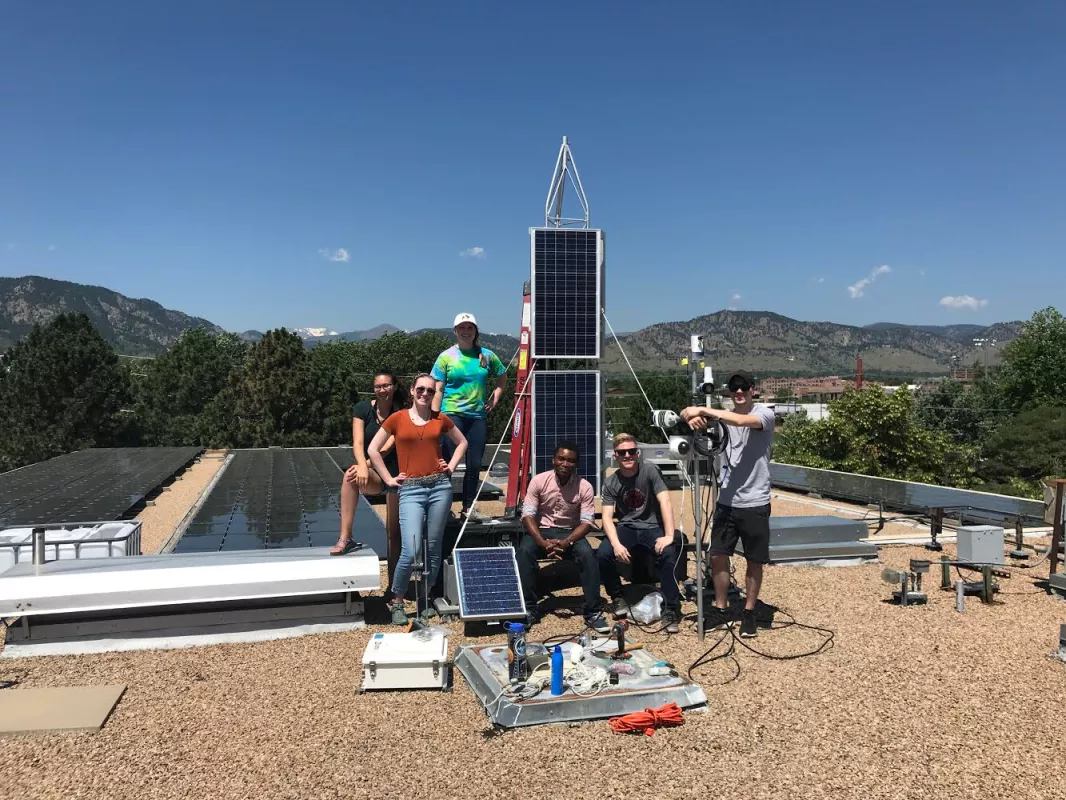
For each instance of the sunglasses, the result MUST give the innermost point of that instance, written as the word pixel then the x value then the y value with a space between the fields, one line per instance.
pixel 739 387
pixel 628 452
pixel 425 390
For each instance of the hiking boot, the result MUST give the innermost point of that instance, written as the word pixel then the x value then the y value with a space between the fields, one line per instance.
pixel 427 614
pixel 598 623
pixel 717 619
pixel 399 616
pixel 748 627
pixel 671 620
pixel 619 608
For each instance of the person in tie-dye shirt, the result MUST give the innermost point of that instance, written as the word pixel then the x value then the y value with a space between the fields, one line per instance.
pixel 470 381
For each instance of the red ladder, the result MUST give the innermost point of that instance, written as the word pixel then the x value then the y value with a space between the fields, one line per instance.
pixel 519 465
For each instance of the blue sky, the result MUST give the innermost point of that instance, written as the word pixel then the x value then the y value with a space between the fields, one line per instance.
pixel 762 155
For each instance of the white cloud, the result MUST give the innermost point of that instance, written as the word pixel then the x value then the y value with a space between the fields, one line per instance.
pixel 856 289
pixel 963 301
pixel 733 300
pixel 921 273
pixel 51 248
pixel 821 280
pixel 340 254
pixel 473 252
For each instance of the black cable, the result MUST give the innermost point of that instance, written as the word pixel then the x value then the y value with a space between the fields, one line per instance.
pixel 827 634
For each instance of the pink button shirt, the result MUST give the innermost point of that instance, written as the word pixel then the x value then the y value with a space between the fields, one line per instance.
pixel 555 506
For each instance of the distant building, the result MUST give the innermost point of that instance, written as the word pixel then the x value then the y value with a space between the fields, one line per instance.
pixel 964 375
pixel 821 389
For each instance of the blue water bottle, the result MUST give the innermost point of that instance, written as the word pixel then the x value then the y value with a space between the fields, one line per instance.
pixel 557 671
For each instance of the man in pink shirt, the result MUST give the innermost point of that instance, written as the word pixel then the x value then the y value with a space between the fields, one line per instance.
pixel 557 514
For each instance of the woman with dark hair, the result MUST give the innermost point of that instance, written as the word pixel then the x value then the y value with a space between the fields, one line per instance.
pixel 367 416
pixel 464 374
pixel 425 484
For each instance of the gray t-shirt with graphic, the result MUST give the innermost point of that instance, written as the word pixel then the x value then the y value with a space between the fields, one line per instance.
pixel 746 462
pixel 634 498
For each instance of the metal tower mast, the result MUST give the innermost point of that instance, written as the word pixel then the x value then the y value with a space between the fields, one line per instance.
pixel 553 207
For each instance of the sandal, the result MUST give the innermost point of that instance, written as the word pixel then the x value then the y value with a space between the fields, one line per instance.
pixel 344 546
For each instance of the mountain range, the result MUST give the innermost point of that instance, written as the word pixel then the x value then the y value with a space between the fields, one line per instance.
pixel 762 341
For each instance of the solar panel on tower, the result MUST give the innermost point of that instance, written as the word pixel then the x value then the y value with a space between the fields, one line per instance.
pixel 567 292
pixel 568 405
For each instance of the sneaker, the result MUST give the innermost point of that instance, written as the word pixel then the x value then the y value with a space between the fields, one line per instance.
pixel 427 614
pixel 671 620
pixel 716 619
pixel 598 623
pixel 619 608
pixel 748 628
pixel 474 516
pixel 399 616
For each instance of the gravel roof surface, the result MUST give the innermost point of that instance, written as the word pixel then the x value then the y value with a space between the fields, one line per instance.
pixel 907 703
pixel 160 520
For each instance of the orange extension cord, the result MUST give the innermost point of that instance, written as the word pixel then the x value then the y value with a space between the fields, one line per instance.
pixel 649 719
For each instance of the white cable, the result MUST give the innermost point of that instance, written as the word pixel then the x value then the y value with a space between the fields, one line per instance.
pixel 587 680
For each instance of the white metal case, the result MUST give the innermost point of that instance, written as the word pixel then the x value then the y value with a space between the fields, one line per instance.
pixel 402 661
pixel 980 544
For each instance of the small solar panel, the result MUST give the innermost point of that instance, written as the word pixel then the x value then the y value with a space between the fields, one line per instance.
pixel 489 587
pixel 567 405
pixel 566 292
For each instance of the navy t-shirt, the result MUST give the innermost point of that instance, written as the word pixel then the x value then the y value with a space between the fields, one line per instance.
pixel 366 411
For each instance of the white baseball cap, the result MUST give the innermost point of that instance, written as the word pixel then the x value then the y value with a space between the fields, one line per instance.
pixel 464 317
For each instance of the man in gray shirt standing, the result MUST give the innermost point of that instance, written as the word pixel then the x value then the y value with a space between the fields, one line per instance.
pixel 743 510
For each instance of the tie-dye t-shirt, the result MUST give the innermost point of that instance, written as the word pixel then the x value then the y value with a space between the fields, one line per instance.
pixel 468 377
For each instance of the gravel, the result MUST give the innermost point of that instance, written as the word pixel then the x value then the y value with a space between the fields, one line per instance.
pixel 908 703
pixel 160 520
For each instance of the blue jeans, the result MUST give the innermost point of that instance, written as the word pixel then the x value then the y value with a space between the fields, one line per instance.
pixel 421 506
pixel 476 431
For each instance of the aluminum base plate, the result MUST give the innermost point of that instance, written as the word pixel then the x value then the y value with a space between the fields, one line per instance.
pixel 485 669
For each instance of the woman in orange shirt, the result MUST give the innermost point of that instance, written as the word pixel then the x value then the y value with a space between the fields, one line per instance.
pixel 424 482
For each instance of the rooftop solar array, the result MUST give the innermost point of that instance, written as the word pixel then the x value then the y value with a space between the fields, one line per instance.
pixel 566 292
pixel 279 498
pixel 88 486
pixel 566 405
pixel 489 586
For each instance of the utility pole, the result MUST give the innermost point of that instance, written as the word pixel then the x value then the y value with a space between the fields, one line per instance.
pixel 981 343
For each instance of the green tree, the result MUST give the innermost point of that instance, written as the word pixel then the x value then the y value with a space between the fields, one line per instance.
pixel 1024 451
pixel 966 415
pixel 61 389
pixel 873 433
pixel 628 411
pixel 335 381
pixel 181 384
pixel 278 398
pixel 1033 372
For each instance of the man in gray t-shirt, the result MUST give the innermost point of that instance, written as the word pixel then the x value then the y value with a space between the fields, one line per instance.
pixel 743 510
pixel 638 516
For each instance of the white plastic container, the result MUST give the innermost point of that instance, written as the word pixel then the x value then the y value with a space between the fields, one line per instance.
pixel 401 661
pixel 89 541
